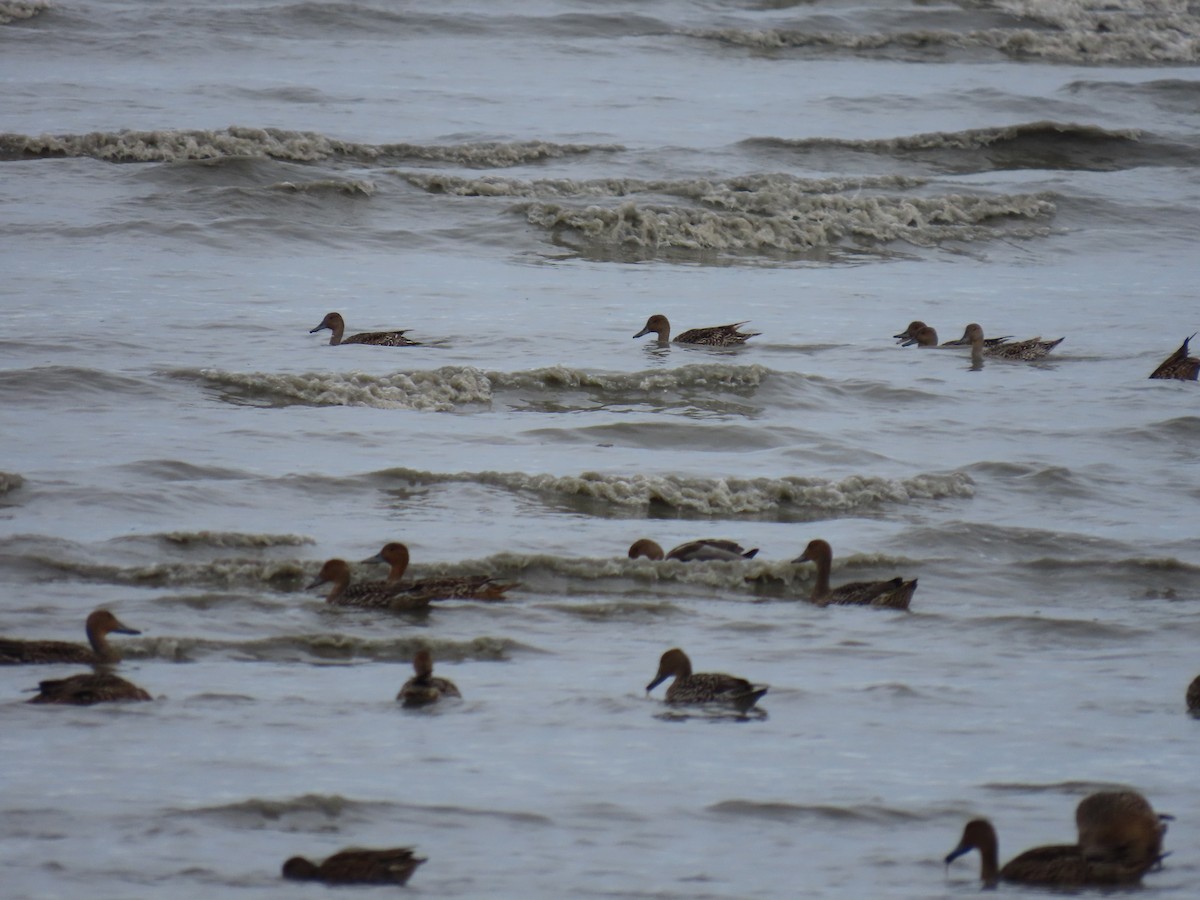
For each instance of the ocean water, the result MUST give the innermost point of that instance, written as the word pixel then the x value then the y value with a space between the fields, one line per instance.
pixel 187 190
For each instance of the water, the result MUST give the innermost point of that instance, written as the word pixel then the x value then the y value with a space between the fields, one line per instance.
pixel 189 190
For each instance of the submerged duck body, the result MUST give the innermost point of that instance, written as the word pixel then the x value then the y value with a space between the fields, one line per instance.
pixel 1193 696
pixel 335 323
pixel 101 686
pixel 703 687
pixel 367 594
pixel 394 866
pixel 1120 826
pixel 100 624
pixel 1027 351
pixel 424 687
pixel 1058 865
pixel 711 336
pixel 442 587
pixel 1179 365
pixel 704 550
pixel 895 593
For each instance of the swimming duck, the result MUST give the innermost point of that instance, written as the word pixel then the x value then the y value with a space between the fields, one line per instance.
pixel 1193 696
pixel 335 323
pixel 100 624
pixel 442 587
pixel 893 594
pixel 355 866
pixel 371 594
pixel 1034 348
pixel 925 336
pixel 703 687
pixel 1058 865
pixel 705 550
pixel 712 336
pixel 424 687
pixel 1120 826
pixel 101 686
pixel 1179 365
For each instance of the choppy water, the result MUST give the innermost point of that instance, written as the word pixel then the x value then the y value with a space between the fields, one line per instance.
pixel 189 189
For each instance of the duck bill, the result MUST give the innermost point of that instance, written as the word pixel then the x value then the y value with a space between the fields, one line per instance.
pixel 316 582
pixel 377 558
pixel 320 327
pixel 659 679
pixel 642 332
pixel 957 852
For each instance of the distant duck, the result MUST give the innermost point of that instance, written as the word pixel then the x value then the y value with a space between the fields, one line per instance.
pixel 424 687
pixel 100 686
pixel 100 624
pixel 1121 827
pixel 335 323
pixel 925 336
pixel 1059 865
pixel 1193 696
pixel 370 594
pixel 356 867
pixel 1029 350
pixel 712 336
pixel 703 687
pixel 442 587
pixel 704 550
pixel 1179 365
pixel 895 593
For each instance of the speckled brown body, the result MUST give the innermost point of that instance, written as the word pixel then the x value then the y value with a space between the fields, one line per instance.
pixel 355 866
pixel 703 687
pixel 438 587
pixel 335 323
pixel 711 336
pixel 1179 365
pixel 99 624
pixel 895 593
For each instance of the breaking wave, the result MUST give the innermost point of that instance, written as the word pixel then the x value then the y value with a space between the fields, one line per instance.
pixel 14 10
pixel 317 648
pixel 10 481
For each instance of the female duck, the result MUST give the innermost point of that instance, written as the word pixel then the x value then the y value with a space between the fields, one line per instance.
pixel 1179 365
pixel 370 594
pixel 1059 865
pixel 925 336
pixel 425 687
pixel 100 624
pixel 443 587
pixel 335 323
pixel 705 550
pixel 703 687
pixel 393 866
pixel 1120 826
pixel 893 594
pixel 712 336
pixel 1032 349
pixel 101 686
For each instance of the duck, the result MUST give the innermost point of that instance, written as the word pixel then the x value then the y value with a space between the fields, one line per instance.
pixel 703 687
pixel 1120 826
pixel 100 686
pixel 712 336
pixel 1193 696
pixel 355 866
pixel 1179 365
pixel 704 550
pixel 895 593
pixel 424 687
pixel 924 335
pixel 1028 350
pixel 1057 865
pixel 442 587
pixel 370 594
pixel 335 323
pixel 99 625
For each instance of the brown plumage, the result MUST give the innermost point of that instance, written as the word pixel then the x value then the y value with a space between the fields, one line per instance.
pixel 925 336
pixel 711 336
pixel 424 687
pixel 1029 350
pixel 1059 865
pixel 704 550
pixel 441 587
pixel 369 594
pixel 100 624
pixel 703 687
pixel 1179 365
pixel 335 323
pixel 1120 826
pixel 1193 696
pixel 896 593
pixel 101 686
pixel 355 866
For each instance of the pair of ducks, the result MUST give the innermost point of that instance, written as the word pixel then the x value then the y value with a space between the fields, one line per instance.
pixel 396 594
pixel 100 685
pixel 893 593
pixel 996 348
pixel 1120 839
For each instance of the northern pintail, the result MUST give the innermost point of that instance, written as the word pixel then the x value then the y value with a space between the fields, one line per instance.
pixel 100 686
pixel 441 587
pixel 1120 826
pixel 703 687
pixel 372 594
pixel 895 593
pixel 704 550
pixel 354 866
pixel 1028 350
pixel 425 687
pixel 712 336
pixel 335 323
pixel 1179 365
pixel 100 624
